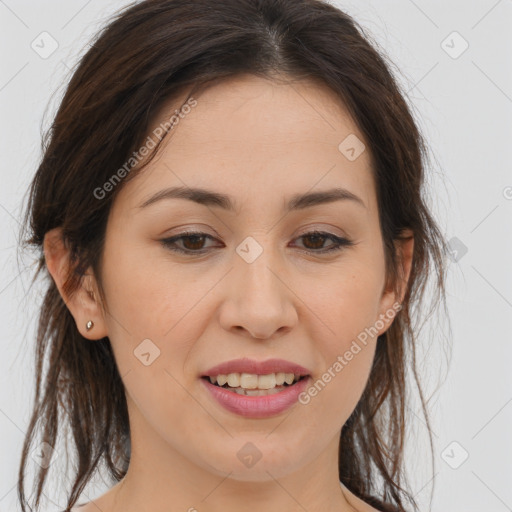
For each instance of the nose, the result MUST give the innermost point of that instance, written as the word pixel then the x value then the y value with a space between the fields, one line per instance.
pixel 259 300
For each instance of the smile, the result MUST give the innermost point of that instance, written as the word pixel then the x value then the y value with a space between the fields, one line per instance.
pixel 251 384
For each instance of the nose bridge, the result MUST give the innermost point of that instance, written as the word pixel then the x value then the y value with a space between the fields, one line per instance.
pixel 260 301
pixel 256 267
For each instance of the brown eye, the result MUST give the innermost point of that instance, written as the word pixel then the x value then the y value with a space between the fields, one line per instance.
pixel 193 242
pixel 317 240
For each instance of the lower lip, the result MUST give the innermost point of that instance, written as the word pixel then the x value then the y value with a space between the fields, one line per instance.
pixel 257 406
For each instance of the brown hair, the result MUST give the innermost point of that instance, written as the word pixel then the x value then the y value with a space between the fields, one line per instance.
pixel 147 55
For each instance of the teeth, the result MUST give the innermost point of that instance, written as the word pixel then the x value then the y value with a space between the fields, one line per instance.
pixel 267 381
pixel 248 381
pixel 253 382
pixel 221 380
pixel 234 380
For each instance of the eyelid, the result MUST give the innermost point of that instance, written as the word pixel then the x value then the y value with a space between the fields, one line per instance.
pixel 329 228
pixel 200 229
pixel 324 228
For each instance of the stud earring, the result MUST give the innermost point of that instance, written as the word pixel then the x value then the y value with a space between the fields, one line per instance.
pixel 89 325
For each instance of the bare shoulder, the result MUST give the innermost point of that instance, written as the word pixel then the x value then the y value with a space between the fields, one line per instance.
pixel 86 507
pixel 102 503
pixel 91 506
pixel 358 504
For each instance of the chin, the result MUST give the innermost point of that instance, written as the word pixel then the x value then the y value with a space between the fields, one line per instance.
pixel 255 459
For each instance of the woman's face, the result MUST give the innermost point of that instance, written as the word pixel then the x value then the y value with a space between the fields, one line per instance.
pixel 246 288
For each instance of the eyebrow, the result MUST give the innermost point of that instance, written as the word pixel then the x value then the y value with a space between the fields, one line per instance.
pixel 210 198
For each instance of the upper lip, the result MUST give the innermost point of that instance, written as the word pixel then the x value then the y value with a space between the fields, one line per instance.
pixel 246 365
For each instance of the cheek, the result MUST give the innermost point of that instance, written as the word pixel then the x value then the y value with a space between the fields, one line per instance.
pixel 152 330
pixel 148 296
pixel 335 393
pixel 158 395
pixel 348 307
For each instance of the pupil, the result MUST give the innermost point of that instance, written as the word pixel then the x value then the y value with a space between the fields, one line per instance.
pixel 195 239
pixel 316 238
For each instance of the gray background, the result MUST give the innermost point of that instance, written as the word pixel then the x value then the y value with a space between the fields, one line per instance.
pixel 463 103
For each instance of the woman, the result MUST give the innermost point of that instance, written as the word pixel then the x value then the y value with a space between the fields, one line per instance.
pixel 230 210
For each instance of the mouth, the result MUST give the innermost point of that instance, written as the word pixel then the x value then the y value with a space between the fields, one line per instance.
pixel 256 389
pixel 251 384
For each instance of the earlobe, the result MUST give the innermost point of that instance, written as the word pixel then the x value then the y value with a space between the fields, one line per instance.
pixel 83 302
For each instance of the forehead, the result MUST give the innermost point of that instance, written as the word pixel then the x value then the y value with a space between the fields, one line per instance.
pixel 251 109
pixel 247 133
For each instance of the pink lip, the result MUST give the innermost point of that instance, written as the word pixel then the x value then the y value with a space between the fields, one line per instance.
pixel 246 365
pixel 257 406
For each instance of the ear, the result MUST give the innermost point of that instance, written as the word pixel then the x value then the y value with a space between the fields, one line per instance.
pixel 391 301
pixel 84 303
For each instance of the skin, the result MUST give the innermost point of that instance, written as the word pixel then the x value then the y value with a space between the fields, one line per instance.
pixel 260 143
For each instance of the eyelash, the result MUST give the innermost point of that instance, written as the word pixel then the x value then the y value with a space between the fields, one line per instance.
pixel 339 243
